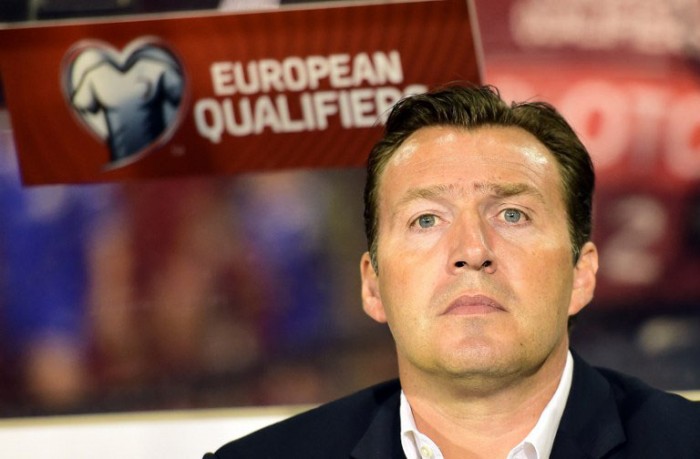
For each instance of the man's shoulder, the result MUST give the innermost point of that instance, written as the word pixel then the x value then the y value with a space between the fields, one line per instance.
pixel 334 427
pixel 636 401
pixel 652 422
pixel 616 415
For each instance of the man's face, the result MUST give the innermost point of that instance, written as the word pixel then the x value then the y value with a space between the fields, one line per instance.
pixel 475 271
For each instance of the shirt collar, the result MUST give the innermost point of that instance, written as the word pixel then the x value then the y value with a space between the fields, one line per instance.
pixel 415 444
pixel 542 435
pixel 536 445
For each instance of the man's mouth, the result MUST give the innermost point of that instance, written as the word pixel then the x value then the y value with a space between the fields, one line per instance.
pixel 473 304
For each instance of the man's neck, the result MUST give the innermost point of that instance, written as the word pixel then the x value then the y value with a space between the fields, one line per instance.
pixel 484 419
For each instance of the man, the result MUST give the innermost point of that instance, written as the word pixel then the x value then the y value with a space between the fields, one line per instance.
pixel 478 219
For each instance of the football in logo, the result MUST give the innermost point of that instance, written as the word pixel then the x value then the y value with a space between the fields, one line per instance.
pixel 130 99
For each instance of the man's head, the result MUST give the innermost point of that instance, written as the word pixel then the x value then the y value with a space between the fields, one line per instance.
pixel 472 210
pixel 470 108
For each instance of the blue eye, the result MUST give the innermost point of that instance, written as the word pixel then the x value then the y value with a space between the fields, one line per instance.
pixel 426 221
pixel 512 215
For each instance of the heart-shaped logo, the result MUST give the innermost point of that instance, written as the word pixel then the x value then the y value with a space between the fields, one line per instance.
pixel 131 99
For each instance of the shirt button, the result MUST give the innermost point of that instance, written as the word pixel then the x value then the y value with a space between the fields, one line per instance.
pixel 426 452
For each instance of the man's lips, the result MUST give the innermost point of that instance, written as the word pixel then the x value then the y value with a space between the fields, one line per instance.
pixel 473 304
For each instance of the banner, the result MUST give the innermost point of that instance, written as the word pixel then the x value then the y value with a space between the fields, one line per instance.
pixel 223 93
pixel 626 78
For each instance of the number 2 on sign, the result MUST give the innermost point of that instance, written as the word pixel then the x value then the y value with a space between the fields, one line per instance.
pixel 630 255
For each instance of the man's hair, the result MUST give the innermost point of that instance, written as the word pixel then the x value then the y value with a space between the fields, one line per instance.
pixel 471 107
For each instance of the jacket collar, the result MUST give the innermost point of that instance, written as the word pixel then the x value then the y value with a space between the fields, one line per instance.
pixel 590 426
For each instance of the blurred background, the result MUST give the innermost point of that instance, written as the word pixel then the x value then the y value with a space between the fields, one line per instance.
pixel 244 290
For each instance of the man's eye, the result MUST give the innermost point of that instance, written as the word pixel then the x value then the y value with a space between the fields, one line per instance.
pixel 512 215
pixel 426 221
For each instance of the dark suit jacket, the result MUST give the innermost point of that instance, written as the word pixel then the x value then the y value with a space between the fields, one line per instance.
pixel 607 415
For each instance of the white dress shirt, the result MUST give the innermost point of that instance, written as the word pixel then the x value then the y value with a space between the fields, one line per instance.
pixel 536 445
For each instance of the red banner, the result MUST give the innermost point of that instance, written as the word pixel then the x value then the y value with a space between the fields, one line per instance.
pixel 223 93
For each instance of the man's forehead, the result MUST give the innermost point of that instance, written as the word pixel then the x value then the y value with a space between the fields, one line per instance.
pixel 510 161
pixel 495 147
pixel 491 139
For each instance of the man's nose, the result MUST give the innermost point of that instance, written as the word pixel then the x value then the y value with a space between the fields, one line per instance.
pixel 470 247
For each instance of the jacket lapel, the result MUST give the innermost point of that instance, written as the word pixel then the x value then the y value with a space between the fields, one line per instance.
pixel 382 439
pixel 590 426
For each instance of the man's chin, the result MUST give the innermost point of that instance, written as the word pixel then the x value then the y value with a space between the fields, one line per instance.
pixel 482 362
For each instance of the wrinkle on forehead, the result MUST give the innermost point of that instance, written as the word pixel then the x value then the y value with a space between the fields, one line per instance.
pixel 409 147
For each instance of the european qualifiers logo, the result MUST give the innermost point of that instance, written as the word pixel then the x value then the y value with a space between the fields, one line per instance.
pixel 301 93
pixel 132 100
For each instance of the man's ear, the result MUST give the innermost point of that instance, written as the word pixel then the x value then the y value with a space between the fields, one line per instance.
pixel 584 278
pixel 371 299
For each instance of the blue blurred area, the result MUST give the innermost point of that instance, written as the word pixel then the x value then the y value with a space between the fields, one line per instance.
pixel 44 234
pixel 41 246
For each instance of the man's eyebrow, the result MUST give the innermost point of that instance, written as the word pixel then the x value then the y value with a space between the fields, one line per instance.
pixel 506 190
pixel 428 193
pixel 500 190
